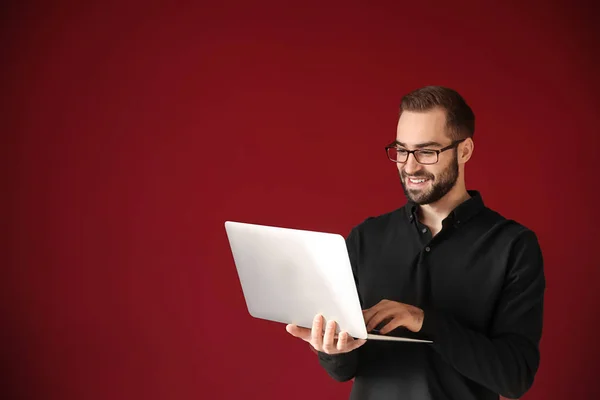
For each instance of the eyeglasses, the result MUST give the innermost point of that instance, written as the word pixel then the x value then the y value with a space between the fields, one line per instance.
pixel 423 156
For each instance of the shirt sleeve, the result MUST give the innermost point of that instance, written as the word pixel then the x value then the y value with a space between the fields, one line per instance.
pixel 343 367
pixel 507 358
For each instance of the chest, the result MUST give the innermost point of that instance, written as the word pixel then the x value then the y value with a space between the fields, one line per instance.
pixel 455 274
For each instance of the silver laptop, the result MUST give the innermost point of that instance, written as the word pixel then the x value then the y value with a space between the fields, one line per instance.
pixel 290 275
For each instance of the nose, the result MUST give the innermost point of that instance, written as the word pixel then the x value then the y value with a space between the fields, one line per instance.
pixel 411 165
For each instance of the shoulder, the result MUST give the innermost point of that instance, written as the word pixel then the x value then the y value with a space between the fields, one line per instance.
pixel 372 231
pixel 380 223
pixel 511 229
pixel 523 255
pixel 518 242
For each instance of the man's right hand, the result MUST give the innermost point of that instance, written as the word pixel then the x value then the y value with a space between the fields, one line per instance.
pixel 327 342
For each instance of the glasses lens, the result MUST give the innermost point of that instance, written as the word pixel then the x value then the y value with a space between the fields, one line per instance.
pixel 426 157
pixel 396 155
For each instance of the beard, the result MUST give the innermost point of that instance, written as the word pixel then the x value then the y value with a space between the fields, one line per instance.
pixel 440 185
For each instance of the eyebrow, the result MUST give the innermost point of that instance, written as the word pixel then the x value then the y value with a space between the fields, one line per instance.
pixel 419 145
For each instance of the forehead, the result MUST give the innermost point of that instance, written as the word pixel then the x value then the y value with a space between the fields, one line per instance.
pixel 419 127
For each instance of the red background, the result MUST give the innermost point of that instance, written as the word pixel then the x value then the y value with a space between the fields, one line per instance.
pixel 133 131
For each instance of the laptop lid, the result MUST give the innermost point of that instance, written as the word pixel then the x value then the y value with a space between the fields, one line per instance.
pixel 291 275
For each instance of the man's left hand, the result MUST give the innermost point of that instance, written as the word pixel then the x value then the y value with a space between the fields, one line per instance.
pixel 396 314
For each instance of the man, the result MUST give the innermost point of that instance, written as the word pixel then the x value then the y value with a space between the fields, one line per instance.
pixel 443 267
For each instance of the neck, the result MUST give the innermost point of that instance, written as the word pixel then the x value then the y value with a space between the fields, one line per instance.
pixel 433 214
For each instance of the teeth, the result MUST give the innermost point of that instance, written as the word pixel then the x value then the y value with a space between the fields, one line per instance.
pixel 417 180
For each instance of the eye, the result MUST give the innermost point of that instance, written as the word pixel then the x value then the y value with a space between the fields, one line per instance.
pixel 427 153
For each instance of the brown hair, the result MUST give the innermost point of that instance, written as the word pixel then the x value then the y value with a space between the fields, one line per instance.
pixel 460 119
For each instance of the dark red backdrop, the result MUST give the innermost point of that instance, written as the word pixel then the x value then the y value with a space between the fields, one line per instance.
pixel 132 132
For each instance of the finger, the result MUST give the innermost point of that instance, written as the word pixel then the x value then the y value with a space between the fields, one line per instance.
pixel 378 318
pixel 295 330
pixel 385 307
pixel 349 343
pixel 393 324
pixel 328 338
pixel 342 342
pixel 382 305
pixel 316 334
pixel 368 314
pixel 356 343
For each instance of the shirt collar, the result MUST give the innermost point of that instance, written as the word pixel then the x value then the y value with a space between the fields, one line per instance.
pixel 461 214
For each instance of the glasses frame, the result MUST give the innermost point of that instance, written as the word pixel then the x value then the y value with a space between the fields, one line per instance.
pixel 436 151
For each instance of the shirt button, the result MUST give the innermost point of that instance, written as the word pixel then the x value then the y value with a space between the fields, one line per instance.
pixel 424 230
pixel 427 249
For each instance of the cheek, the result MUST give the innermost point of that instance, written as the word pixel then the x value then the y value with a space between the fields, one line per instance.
pixel 427 170
pixel 438 169
pixel 432 172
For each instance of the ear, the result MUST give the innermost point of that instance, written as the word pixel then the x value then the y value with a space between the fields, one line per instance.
pixel 465 151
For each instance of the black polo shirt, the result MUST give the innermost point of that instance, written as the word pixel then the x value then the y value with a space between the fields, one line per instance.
pixel 480 282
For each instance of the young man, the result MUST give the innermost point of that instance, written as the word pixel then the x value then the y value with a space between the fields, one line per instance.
pixel 443 267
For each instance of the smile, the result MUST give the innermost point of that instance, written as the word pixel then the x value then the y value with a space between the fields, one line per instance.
pixel 421 180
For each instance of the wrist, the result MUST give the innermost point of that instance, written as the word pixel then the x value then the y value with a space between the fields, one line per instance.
pixel 430 325
pixel 418 315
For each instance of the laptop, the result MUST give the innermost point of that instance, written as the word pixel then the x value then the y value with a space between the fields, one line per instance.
pixel 290 275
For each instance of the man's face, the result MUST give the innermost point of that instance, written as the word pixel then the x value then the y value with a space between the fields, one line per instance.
pixel 426 184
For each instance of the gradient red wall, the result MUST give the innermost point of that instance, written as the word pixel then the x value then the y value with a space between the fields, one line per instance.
pixel 131 132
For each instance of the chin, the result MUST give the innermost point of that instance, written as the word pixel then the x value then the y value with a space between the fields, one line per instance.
pixel 420 200
pixel 418 197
